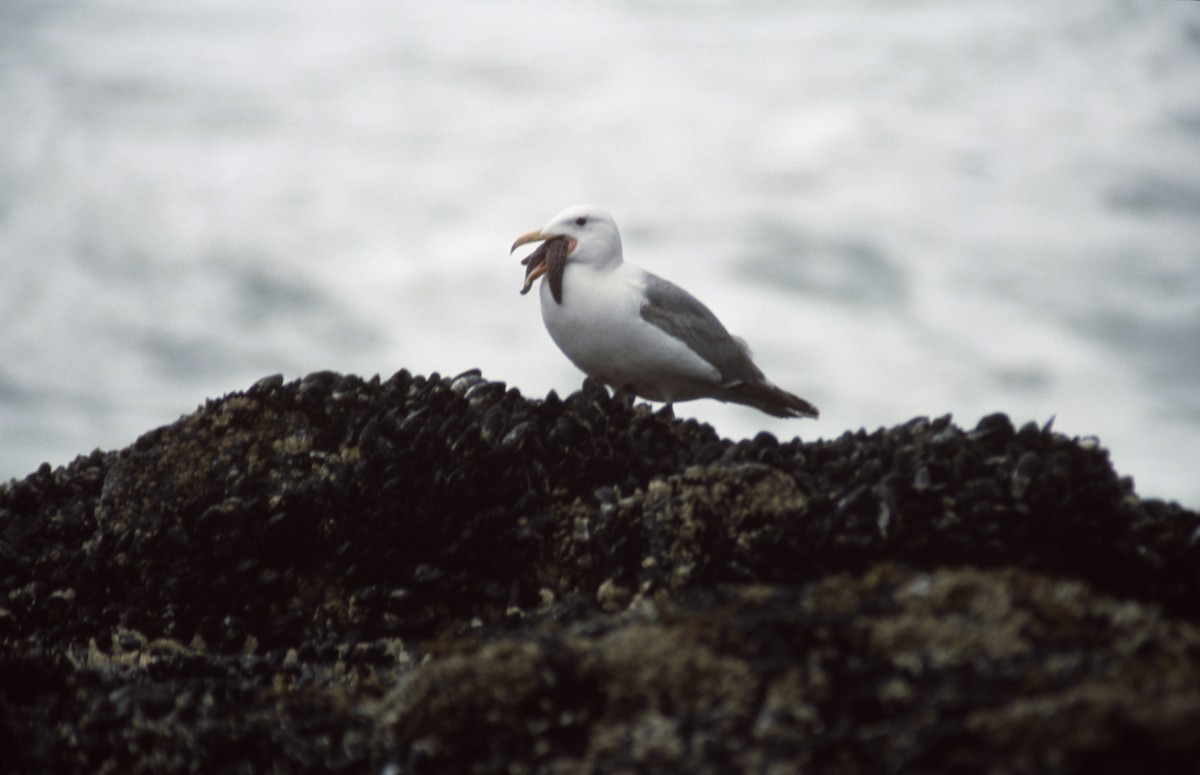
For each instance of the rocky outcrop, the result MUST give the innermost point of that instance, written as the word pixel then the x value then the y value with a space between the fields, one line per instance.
pixel 431 574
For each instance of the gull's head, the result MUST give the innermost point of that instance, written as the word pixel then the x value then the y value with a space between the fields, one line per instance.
pixel 583 234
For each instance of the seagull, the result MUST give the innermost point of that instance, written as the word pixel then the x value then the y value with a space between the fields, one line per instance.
pixel 625 326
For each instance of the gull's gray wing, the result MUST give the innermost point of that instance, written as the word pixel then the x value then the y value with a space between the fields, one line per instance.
pixel 685 317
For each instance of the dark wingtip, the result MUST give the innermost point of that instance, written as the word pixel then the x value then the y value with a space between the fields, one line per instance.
pixel 772 400
pixel 807 410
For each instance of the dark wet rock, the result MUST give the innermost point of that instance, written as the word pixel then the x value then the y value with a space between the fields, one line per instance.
pixel 429 574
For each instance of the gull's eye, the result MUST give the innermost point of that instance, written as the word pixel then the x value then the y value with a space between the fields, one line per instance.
pixel 581 220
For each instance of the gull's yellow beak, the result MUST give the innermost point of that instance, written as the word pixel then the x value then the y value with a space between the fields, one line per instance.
pixel 533 236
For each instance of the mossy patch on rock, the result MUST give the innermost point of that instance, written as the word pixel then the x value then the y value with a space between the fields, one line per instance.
pixel 895 670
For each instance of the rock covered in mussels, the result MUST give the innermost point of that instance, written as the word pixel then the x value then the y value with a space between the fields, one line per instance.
pixel 272 566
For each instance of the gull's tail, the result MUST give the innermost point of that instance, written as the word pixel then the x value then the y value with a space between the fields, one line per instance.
pixel 768 398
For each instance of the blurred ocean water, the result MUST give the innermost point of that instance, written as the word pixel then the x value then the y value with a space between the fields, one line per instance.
pixel 907 209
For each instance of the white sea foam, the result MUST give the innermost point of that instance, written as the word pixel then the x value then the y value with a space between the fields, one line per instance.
pixel 906 209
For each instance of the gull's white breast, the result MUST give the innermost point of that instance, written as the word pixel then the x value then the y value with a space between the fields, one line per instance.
pixel 599 326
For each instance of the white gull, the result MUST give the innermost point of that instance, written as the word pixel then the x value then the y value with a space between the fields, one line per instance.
pixel 625 326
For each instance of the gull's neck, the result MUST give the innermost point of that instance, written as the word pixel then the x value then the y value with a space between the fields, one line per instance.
pixel 598 253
